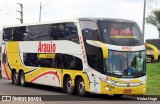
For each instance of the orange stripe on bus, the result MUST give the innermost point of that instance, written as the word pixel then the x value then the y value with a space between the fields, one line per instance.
pixel 49 72
pixel 5 70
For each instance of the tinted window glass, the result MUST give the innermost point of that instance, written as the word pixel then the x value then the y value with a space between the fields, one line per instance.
pixel 14 33
pixel 64 31
pixel 60 31
pixel 95 61
pixel 125 64
pixel 37 32
pixel 89 30
pixel 120 33
pixel 62 61
pixel 7 34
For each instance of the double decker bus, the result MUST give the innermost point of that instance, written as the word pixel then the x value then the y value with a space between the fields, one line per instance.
pixel 97 55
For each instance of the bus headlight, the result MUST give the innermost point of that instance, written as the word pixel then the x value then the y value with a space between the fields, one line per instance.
pixel 108 81
pixel 111 82
pixel 107 88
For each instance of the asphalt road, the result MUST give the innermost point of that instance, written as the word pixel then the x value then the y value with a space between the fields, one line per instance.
pixel 6 88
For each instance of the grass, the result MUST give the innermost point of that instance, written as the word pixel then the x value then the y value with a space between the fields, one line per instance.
pixel 153 79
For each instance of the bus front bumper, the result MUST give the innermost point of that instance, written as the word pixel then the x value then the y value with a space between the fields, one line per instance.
pixel 136 90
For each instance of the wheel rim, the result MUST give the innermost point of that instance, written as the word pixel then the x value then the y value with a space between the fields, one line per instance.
pixel 81 87
pixel 69 85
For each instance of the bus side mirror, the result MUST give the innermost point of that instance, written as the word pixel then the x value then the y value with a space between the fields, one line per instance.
pixel 156 53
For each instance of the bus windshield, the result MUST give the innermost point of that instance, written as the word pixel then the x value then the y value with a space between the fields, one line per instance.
pixel 120 33
pixel 125 64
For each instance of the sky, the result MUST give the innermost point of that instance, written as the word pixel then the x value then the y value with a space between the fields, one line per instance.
pixel 67 9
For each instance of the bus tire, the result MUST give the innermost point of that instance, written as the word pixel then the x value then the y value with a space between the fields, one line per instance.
pixel 15 78
pixel 22 79
pixel 81 87
pixel 69 86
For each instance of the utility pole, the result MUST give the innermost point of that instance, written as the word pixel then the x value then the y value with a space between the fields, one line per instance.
pixel 40 10
pixel 21 13
pixel 144 13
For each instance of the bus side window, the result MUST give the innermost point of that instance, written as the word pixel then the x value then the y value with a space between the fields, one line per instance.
pixel 14 33
pixel 43 32
pixel 65 61
pixel 61 61
pixel 64 31
pixel 71 32
pixel 95 62
pixel 89 30
pixel 18 33
pixel 53 32
pixel 7 34
pixel 56 31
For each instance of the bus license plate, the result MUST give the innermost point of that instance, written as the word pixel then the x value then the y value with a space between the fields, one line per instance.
pixel 127 91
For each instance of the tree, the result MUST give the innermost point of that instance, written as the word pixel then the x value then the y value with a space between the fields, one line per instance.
pixel 154 19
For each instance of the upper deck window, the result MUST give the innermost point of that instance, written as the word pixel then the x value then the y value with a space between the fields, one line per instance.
pixel 42 32
pixel 89 30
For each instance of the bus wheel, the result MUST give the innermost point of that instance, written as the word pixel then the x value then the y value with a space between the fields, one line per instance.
pixel 81 87
pixel 68 84
pixel 15 79
pixel 22 79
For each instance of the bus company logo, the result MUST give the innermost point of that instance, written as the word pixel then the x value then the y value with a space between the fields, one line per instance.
pixel 47 47
pixel 126 48
pixel 128 84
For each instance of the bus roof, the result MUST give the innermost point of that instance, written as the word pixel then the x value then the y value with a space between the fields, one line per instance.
pixel 106 19
pixel 41 23
pixel 68 20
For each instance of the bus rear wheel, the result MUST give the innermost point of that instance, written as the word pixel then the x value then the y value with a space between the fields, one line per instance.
pixel 22 79
pixel 69 86
pixel 81 87
pixel 15 78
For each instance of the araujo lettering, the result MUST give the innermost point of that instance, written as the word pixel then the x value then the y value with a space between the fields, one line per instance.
pixel 46 47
